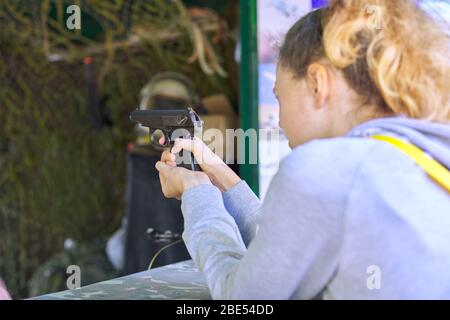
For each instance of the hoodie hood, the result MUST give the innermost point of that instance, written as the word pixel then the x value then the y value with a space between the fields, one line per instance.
pixel 431 137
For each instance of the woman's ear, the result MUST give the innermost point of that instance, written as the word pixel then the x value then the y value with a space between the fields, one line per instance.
pixel 319 83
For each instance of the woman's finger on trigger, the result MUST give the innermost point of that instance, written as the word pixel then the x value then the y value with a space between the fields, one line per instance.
pixel 182 144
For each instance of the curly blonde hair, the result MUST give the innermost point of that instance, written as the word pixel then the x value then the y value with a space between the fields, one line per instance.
pixel 392 53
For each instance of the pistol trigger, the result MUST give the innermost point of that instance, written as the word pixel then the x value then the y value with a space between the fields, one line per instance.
pixel 182 120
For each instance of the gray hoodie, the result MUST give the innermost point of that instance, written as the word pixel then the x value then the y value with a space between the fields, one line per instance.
pixel 344 218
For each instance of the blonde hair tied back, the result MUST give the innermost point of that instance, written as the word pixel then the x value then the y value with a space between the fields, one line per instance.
pixel 406 52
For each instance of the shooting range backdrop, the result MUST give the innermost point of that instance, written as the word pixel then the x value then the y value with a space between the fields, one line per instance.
pixel 65 97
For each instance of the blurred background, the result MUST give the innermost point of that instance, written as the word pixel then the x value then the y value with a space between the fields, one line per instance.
pixel 65 98
pixel 77 179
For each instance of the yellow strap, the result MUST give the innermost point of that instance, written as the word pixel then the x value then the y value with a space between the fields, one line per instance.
pixel 435 170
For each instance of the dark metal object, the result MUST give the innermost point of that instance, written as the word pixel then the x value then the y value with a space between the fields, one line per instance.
pixel 169 125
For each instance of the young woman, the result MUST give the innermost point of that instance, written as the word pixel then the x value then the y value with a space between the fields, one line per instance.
pixel 347 216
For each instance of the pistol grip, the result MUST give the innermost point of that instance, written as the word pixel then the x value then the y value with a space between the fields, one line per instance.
pixel 191 164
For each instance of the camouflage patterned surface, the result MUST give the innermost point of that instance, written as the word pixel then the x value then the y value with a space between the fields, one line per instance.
pixel 176 281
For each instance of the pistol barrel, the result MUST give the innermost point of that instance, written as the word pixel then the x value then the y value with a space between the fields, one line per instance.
pixel 165 118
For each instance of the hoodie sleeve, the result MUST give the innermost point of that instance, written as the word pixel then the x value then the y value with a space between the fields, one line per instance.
pixel 244 206
pixel 296 249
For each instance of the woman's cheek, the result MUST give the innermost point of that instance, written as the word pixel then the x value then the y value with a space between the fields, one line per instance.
pixel 286 118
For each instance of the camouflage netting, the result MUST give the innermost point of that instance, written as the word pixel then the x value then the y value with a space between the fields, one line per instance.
pixel 61 175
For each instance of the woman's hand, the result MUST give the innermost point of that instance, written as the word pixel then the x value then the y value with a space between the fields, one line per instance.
pixel 176 180
pixel 218 172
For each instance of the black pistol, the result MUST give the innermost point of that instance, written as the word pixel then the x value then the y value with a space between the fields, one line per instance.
pixel 166 126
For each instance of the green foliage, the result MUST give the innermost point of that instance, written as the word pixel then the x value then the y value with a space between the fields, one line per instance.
pixel 60 178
